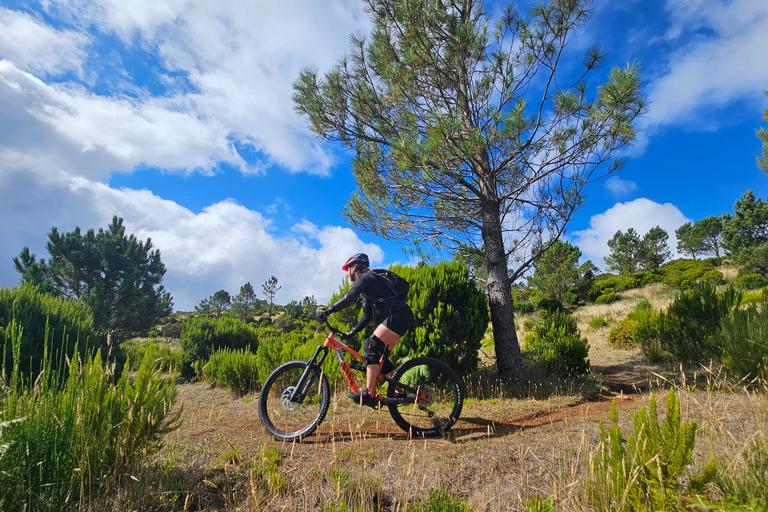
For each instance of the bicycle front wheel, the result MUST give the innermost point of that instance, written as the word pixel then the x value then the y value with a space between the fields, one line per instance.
pixel 437 397
pixel 287 420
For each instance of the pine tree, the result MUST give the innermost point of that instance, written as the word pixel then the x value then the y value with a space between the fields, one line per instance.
pixel 468 135
pixel 655 250
pixel 690 241
pixel 270 289
pixel 745 234
pixel 626 252
pixel 244 304
pixel 558 271
pixel 220 302
pixel 116 275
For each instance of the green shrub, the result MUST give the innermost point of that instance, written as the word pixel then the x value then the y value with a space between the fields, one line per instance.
pixel 628 283
pixel 643 305
pixel 439 500
pixel 644 473
pixel 555 345
pixel 684 274
pixel 620 335
pixel 201 336
pixel 743 341
pixel 755 296
pixel 80 434
pixel 647 277
pixel 694 316
pixel 748 484
pixel 548 304
pixel 66 322
pixel 235 370
pixel 166 359
pixel 750 282
pixel 600 321
pixel 524 306
pixel 607 298
pixel 645 333
pixel 603 284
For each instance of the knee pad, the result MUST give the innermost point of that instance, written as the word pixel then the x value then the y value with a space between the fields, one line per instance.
pixel 373 350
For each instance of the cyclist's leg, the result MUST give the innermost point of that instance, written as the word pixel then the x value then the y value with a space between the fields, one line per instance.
pixel 389 338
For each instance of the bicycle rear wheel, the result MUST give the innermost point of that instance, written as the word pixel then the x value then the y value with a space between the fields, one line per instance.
pixel 291 421
pixel 437 393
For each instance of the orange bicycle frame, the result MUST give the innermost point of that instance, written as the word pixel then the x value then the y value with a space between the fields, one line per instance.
pixel 337 346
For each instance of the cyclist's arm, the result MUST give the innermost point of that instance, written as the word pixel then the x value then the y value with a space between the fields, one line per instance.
pixel 349 298
pixel 365 318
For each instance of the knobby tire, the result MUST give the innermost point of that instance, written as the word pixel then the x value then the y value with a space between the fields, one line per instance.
pixel 288 421
pixel 440 406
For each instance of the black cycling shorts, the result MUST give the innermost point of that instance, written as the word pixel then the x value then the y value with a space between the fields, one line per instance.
pixel 400 320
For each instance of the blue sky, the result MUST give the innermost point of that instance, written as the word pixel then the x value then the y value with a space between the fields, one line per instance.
pixel 177 116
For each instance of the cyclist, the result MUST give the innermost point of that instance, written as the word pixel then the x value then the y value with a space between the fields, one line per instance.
pixel 374 290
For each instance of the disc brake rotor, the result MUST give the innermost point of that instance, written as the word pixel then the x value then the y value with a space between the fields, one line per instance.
pixel 285 399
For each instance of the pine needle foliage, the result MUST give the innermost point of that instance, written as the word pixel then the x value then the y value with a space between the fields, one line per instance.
pixel 65 440
pixel 643 474
pixel 65 320
pixel 234 370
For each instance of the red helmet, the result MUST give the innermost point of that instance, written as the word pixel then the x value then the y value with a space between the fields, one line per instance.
pixel 354 259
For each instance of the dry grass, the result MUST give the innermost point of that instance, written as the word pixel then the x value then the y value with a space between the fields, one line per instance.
pixel 510 445
pixel 504 452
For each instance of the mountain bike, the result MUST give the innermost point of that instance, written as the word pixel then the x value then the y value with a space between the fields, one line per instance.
pixel 424 395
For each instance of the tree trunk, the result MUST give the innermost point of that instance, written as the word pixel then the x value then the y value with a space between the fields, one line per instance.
pixel 509 360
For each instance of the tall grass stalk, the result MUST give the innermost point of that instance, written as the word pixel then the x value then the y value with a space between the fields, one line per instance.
pixel 81 434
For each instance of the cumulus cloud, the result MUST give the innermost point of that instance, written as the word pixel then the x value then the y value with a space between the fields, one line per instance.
pixel 34 46
pixel 720 59
pixel 239 59
pixel 641 214
pixel 619 187
pixel 92 136
pixel 223 246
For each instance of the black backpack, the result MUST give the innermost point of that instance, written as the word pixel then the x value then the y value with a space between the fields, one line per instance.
pixel 396 284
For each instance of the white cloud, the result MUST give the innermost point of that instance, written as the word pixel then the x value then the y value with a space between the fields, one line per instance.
pixel 619 187
pixel 241 59
pixel 726 64
pixel 35 46
pixel 641 214
pixel 224 246
pixel 92 136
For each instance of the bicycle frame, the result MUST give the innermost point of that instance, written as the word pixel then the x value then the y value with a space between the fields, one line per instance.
pixel 318 358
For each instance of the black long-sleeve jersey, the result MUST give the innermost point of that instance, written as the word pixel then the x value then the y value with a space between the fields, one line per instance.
pixel 374 291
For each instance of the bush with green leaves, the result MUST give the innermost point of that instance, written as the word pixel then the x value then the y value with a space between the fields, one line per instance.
pixel 600 321
pixel 743 341
pixel 65 322
pixel 694 316
pixel 70 434
pixel 524 306
pixel 201 336
pixel 607 298
pixel 166 359
pixel 684 274
pixel 646 333
pixel 235 370
pixel 750 282
pixel 276 348
pixel 754 297
pixel 548 304
pixel 644 473
pixel 554 343
pixel 620 335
